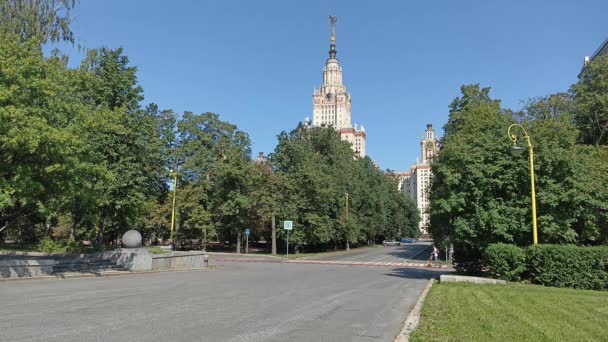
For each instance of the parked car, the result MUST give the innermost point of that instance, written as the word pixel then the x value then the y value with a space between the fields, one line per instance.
pixel 391 243
pixel 408 240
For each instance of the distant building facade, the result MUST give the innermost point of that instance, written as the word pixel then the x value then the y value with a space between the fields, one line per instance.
pixel 416 183
pixel 601 51
pixel 332 103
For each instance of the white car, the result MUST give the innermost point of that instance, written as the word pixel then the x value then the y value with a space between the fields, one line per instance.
pixel 391 243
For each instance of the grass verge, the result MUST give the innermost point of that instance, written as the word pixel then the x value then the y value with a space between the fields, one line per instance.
pixel 515 312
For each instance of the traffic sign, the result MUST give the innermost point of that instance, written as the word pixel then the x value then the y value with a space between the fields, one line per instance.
pixel 287 225
pixel 247 231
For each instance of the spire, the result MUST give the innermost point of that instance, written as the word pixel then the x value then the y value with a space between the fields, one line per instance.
pixel 332 46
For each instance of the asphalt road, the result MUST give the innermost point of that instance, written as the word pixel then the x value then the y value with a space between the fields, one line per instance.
pixel 414 252
pixel 240 301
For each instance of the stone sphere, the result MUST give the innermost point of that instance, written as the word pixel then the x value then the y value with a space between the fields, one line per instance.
pixel 131 239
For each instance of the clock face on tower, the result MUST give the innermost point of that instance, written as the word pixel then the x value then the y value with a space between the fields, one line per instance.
pixel 430 145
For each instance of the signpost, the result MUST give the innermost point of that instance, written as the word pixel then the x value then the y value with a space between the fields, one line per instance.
pixel 287 225
pixel 247 233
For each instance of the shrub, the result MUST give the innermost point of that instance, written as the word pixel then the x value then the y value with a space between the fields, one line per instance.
pixel 75 247
pixel 507 262
pixel 569 266
pixel 48 245
pixel 156 250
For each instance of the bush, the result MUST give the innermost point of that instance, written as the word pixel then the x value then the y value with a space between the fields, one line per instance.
pixel 507 262
pixel 48 245
pixel 569 266
pixel 156 250
pixel 75 247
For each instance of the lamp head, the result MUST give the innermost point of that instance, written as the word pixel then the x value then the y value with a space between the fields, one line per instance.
pixel 516 150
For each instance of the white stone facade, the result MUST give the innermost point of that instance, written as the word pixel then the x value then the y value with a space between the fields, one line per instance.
pixel 416 183
pixel 332 103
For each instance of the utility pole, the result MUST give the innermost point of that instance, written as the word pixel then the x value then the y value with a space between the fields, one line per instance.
pixel 274 236
pixel 238 242
pixel 346 224
pixel 174 174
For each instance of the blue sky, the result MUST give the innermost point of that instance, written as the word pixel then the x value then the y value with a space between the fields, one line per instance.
pixel 256 62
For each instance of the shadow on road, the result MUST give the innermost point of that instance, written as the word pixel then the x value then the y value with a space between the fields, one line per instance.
pixel 413 253
pixel 416 273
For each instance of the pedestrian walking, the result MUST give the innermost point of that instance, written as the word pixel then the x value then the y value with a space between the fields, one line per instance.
pixel 435 255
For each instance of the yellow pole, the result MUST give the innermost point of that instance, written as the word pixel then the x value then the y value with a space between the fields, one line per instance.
pixel 513 138
pixel 173 207
pixel 533 191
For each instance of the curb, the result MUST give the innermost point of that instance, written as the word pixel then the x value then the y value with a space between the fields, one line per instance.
pixel 243 255
pixel 411 322
pixel 339 263
pixel 105 275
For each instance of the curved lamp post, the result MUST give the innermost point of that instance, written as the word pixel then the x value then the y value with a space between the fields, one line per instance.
pixel 516 151
pixel 174 174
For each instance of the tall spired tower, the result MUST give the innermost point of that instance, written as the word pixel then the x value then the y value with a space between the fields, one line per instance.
pixel 331 102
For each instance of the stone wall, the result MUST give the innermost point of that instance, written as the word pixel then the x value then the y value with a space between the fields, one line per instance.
pixel 22 268
pixel 178 261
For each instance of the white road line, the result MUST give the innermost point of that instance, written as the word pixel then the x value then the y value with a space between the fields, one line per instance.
pixel 384 257
pixel 413 256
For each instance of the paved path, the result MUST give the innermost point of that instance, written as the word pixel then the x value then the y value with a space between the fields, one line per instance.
pixel 407 253
pixel 239 302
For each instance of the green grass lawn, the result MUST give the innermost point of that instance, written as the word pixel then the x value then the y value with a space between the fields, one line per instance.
pixel 515 312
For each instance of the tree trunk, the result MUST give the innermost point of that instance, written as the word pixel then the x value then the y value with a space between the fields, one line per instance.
pixel 204 247
pixel 274 236
pixel 101 217
pixel 347 245
pixel 238 242
pixel 73 230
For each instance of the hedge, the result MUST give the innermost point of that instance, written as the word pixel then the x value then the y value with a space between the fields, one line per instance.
pixel 551 265
pixel 568 266
pixel 506 262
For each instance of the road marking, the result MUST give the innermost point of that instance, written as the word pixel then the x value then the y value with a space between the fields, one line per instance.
pixel 384 257
pixel 413 256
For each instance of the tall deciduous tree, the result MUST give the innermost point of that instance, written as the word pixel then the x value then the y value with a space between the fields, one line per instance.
pixel 40 20
pixel 591 101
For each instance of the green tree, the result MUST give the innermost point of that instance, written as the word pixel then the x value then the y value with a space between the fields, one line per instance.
pixel 125 142
pixel 478 190
pixel 320 169
pixel 480 193
pixel 41 149
pixel 216 168
pixel 40 20
pixel 591 102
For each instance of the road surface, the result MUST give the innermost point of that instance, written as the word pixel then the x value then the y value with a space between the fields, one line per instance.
pixel 416 252
pixel 240 301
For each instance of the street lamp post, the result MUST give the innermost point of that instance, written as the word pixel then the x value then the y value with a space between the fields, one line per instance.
pixel 174 174
pixel 516 151
pixel 346 223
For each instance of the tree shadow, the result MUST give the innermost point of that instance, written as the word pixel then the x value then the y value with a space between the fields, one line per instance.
pixel 16 266
pixel 404 253
pixel 417 273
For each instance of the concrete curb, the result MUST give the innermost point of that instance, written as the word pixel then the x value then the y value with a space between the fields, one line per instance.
pixel 411 322
pixel 105 275
pixel 449 278
pixel 243 255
